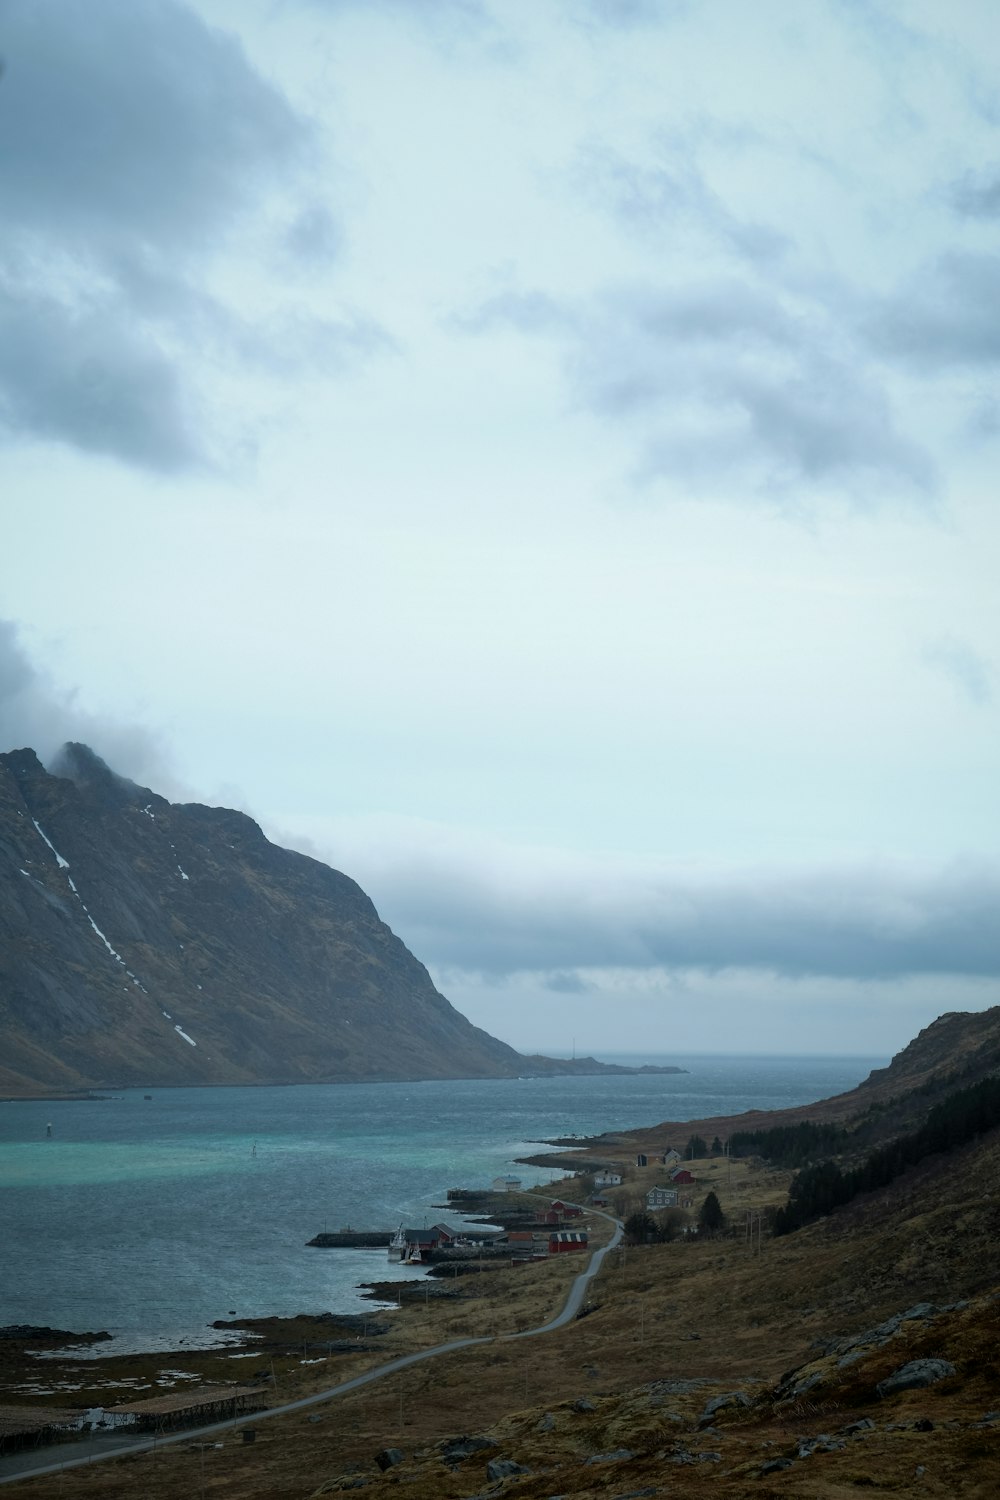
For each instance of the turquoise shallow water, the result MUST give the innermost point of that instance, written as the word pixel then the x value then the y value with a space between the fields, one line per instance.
pixel 151 1218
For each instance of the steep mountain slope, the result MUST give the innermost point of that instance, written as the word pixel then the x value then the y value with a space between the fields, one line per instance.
pixel 145 942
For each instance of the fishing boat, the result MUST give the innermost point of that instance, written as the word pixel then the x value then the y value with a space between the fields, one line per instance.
pixel 397 1245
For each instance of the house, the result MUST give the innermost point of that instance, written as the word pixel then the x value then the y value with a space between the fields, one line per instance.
pixel 641 1160
pixel 661 1197
pixel 670 1157
pixel 422 1239
pixel 557 1212
pixel 598 1201
pixel 562 1240
pixel 523 1245
pixel 681 1177
pixel 608 1180
pixel 506 1184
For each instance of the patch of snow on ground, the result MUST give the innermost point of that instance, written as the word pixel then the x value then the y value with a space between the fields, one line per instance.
pixel 149 812
pixel 168 1015
pixel 183 876
pixel 103 939
pixel 62 863
pixel 184 1034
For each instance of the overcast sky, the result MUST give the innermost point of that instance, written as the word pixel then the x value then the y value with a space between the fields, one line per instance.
pixel 539 456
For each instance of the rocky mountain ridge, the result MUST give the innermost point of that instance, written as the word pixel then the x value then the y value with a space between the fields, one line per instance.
pixel 144 942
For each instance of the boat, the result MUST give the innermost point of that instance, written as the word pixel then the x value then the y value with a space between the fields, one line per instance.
pixel 397 1245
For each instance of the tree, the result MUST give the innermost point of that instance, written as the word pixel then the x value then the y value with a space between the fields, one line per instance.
pixel 696 1146
pixel 710 1216
pixel 673 1222
pixel 716 1147
pixel 640 1229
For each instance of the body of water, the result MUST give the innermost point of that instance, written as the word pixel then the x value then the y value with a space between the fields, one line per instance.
pixel 151 1217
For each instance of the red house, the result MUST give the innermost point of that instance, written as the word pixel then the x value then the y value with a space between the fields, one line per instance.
pixel 680 1177
pixel 567 1239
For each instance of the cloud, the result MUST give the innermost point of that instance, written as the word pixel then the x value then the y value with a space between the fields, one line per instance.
pixel 977 196
pixel 474 906
pixel 625 15
pixel 948 315
pixel 862 922
pixel 566 982
pixel 963 666
pixel 82 375
pixel 446 22
pixel 672 192
pixel 36 714
pixel 726 380
pixel 138 142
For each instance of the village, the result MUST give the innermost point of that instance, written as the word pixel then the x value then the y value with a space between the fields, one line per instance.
pixel 512 1226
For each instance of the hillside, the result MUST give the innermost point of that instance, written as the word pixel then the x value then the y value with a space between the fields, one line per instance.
pixel 143 942
pixel 956 1049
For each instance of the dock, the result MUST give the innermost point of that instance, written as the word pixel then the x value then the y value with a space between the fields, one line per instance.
pixel 353 1239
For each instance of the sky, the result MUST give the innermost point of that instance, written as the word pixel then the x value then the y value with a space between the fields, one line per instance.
pixel 539 457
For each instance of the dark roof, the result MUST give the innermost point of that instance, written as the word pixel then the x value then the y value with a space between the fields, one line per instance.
pixel 18 1421
pixel 205 1395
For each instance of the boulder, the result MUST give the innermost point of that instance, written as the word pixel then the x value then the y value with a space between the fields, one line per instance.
pixel 388 1458
pixel 464 1447
pixel 824 1443
pixel 718 1403
pixel 503 1468
pixel 613 1457
pixel 911 1377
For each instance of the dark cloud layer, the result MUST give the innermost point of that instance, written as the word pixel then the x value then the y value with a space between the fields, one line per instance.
pixel 135 142
pixel 862 922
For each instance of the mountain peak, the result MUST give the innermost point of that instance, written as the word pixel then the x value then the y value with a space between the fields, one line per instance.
pixel 80 764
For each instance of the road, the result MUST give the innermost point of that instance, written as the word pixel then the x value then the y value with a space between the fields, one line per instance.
pixel 113 1445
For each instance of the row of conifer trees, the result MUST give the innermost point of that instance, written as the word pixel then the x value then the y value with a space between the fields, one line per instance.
pixel 960 1117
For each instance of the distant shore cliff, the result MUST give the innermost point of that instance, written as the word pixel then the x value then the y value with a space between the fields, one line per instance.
pixel 143 942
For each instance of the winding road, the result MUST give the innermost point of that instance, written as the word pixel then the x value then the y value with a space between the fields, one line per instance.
pixel 28 1465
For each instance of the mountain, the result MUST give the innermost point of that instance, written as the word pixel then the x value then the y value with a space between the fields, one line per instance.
pixel 143 942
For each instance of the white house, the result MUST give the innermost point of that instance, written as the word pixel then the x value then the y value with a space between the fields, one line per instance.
pixel 607 1180
pixel 661 1197
pixel 670 1157
pixel 506 1184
